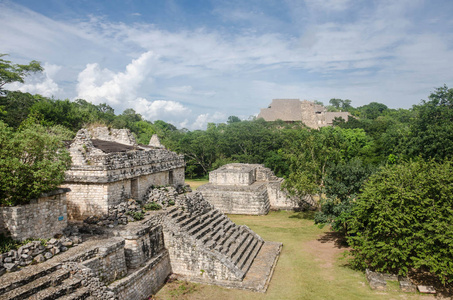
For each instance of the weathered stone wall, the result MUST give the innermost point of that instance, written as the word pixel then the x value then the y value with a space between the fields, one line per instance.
pixel 43 217
pixel 94 199
pixel 109 263
pixel 250 200
pixel 279 199
pixel 120 166
pixel 233 174
pixel 146 280
pixel 193 261
pixel 141 244
pixel 118 192
pixel 122 136
pixel 86 200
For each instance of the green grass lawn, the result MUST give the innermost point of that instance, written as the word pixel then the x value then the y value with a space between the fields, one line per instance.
pixel 195 183
pixel 311 266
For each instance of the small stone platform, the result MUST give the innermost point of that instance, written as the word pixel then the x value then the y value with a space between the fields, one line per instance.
pixel 249 189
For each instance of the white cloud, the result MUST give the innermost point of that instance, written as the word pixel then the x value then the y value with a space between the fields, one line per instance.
pixel 159 109
pixel 40 83
pixel 336 5
pixel 202 120
pixel 101 85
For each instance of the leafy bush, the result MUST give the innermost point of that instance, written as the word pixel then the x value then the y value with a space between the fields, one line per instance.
pixel 171 203
pixel 403 220
pixel 32 161
pixel 153 206
pixel 136 215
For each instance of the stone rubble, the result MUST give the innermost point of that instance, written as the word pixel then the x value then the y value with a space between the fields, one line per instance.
pixel 122 213
pixel 36 252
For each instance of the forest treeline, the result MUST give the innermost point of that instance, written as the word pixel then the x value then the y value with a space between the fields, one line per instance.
pixel 384 177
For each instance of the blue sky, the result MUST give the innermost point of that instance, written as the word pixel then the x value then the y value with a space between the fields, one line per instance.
pixel 194 62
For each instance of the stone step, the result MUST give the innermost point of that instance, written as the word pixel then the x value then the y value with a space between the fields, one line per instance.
pixel 181 218
pixel 216 234
pixel 243 249
pixel 210 228
pixel 223 234
pixel 235 239
pixel 247 258
pixel 205 224
pixel 174 212
pixel 199 219
pixel 237 246
pixel 67 287
pixel 80 294
pixel 37 285
pixel 228 239
pixel 40 271
pixel 189 219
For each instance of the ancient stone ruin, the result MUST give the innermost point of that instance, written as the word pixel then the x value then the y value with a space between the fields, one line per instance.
pixel 249 189
pixel 293 110
pixel 122 250
pixel 108 167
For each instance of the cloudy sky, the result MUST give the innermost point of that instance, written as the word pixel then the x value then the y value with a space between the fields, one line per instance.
pixel 198 61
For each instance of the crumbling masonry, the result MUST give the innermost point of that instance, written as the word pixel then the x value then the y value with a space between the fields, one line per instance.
pixel 189 238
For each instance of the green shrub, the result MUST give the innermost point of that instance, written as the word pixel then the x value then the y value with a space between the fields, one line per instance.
pixel 8 243
pixel 171 203
pixel 153 206
pixel 32 161
pixel 136 215
pixel 403 220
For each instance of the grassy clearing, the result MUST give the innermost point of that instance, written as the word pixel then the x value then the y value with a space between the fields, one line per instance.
pixel 195 183
pixel 310 265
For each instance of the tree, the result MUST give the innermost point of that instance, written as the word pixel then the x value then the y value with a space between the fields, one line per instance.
pixel 432 130
pixel 372 110
pixel 309 153
pixel 10 72
pixel 233 119
pixel 343 182
pixel 402 220
pixel 32 161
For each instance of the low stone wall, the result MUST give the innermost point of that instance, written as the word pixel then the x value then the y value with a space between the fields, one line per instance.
pixel 109 263
pixel 247 200
pixel 146 280
pixel 141 244
pixel 41 218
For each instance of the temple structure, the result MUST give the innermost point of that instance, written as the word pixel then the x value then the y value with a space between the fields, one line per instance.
pixel 249 189
pixel 109 167
pixel 293 110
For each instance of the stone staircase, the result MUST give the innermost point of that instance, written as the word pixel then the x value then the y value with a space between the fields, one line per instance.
pixel 217 234
pixel 49 281
pixel 63 277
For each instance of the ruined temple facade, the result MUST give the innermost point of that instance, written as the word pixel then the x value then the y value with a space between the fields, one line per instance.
pixel 294 110
pixel 109 167
pixel 249 189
